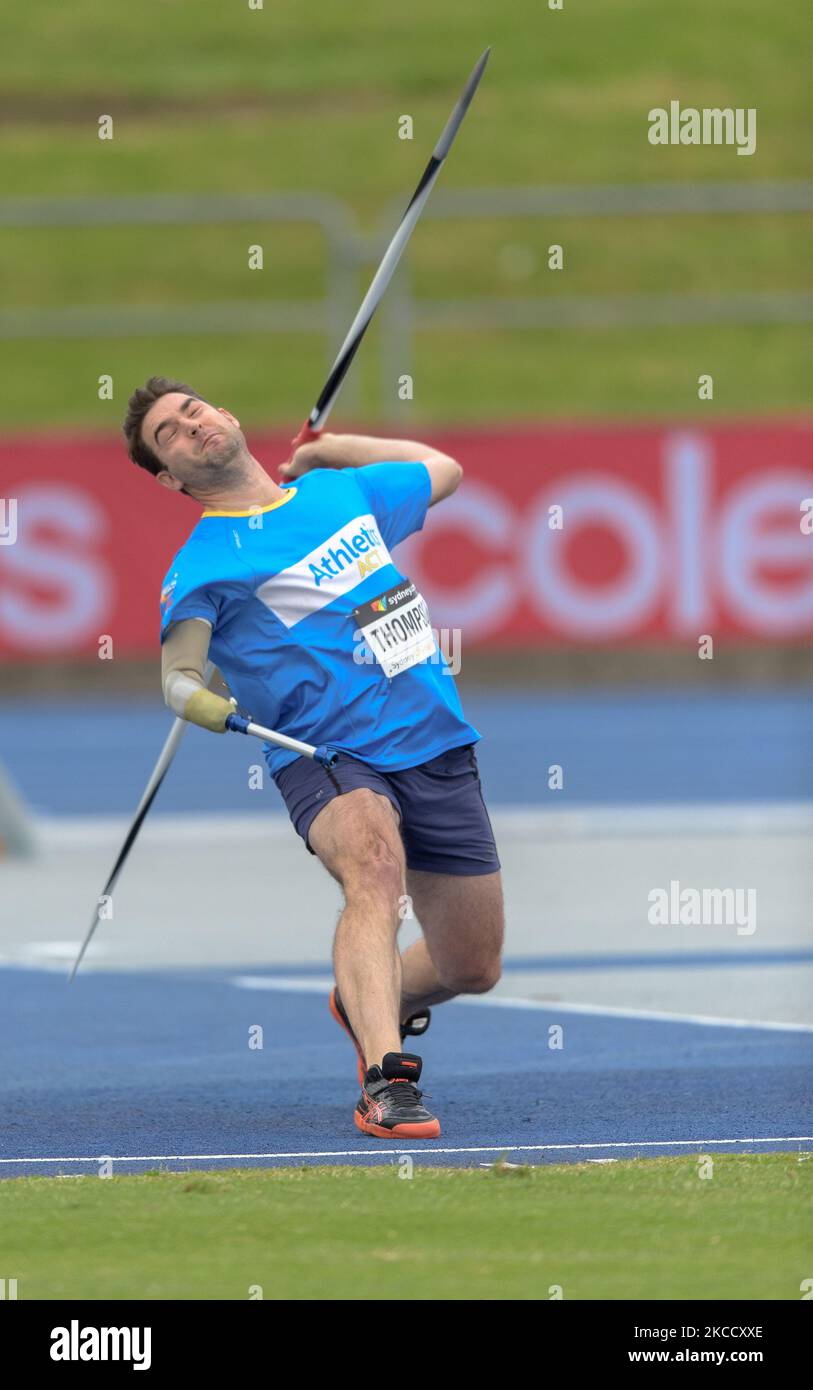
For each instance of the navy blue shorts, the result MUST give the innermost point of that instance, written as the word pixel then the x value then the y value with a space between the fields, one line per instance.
pixel 444 822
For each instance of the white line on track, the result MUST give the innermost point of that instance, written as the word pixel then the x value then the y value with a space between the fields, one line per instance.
pixel 424 1149
pixel 707 1020
pixel 318 984
pixel 291 984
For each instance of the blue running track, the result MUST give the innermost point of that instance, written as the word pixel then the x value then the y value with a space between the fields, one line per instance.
pixel 158 1067
pixel 616 746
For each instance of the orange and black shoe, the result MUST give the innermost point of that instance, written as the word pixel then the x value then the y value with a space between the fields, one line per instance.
pixel 390 1103
pixel 415 1026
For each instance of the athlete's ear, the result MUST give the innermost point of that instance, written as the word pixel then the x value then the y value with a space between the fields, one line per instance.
pixel 166 480
pixel 228 415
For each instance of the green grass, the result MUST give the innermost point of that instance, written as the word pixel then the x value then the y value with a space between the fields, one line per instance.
pixel 505 259
pixel 300 96
pixel 508 376
pixel 638 1229
pixel 590 69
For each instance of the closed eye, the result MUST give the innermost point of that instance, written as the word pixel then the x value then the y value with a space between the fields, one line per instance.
pixel 192 415
pixel 194 410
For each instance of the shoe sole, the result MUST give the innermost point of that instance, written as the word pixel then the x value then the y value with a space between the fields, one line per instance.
pixel 362 1065
pixel 430 1129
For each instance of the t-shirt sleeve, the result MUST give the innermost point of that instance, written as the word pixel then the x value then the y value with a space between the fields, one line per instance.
pixel 183 597
pixel 398 495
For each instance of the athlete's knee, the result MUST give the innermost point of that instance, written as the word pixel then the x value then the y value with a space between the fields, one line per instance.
pixel 362 843
pixel 373 866
pixel 475 977
pixel 377 873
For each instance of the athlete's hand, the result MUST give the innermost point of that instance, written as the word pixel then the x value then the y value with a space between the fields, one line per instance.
pixel 305 457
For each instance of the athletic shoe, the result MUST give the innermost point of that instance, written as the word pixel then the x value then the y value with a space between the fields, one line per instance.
pixel 390 1103
pixel 415 1026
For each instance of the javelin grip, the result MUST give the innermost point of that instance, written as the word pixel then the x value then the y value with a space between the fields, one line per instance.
pixel 306 434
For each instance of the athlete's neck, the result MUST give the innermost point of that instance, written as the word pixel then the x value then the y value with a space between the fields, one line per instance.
pixel 255 489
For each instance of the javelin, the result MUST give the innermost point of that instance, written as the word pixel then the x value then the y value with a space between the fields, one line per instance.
pixel 310 430
pixel 392 255
pixel 238 724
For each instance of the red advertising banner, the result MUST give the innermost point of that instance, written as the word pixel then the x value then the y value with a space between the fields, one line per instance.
pixel 557 535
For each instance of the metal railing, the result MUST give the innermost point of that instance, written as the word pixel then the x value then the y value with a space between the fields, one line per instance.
pixel 402 314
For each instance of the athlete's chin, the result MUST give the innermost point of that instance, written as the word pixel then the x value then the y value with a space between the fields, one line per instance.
pixel 220 463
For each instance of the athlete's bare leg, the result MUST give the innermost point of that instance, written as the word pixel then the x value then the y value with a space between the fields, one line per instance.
pixel 462 920
pixel 356 837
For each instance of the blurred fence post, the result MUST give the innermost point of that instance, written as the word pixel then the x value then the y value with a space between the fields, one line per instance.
pixel 16 833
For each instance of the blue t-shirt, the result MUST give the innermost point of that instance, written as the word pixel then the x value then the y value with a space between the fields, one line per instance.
pixel 280 584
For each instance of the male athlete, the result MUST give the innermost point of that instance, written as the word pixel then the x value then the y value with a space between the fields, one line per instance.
pixel 291 591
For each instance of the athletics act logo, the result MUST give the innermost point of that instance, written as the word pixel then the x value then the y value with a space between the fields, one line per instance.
pixel 363 547
pixel 103 1344
pixel 333 568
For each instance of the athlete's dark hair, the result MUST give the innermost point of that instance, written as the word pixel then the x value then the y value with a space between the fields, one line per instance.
pixel 139 403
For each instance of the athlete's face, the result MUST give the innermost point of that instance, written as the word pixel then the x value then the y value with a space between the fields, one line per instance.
pixel 200 446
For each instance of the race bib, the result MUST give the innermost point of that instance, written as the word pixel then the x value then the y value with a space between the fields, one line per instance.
pixel 396 628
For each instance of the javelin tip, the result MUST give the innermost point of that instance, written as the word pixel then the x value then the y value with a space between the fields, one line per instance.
pixel 476 73
pixel 453 124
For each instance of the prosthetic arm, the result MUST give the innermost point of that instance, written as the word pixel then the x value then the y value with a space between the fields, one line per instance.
pixel 183 661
